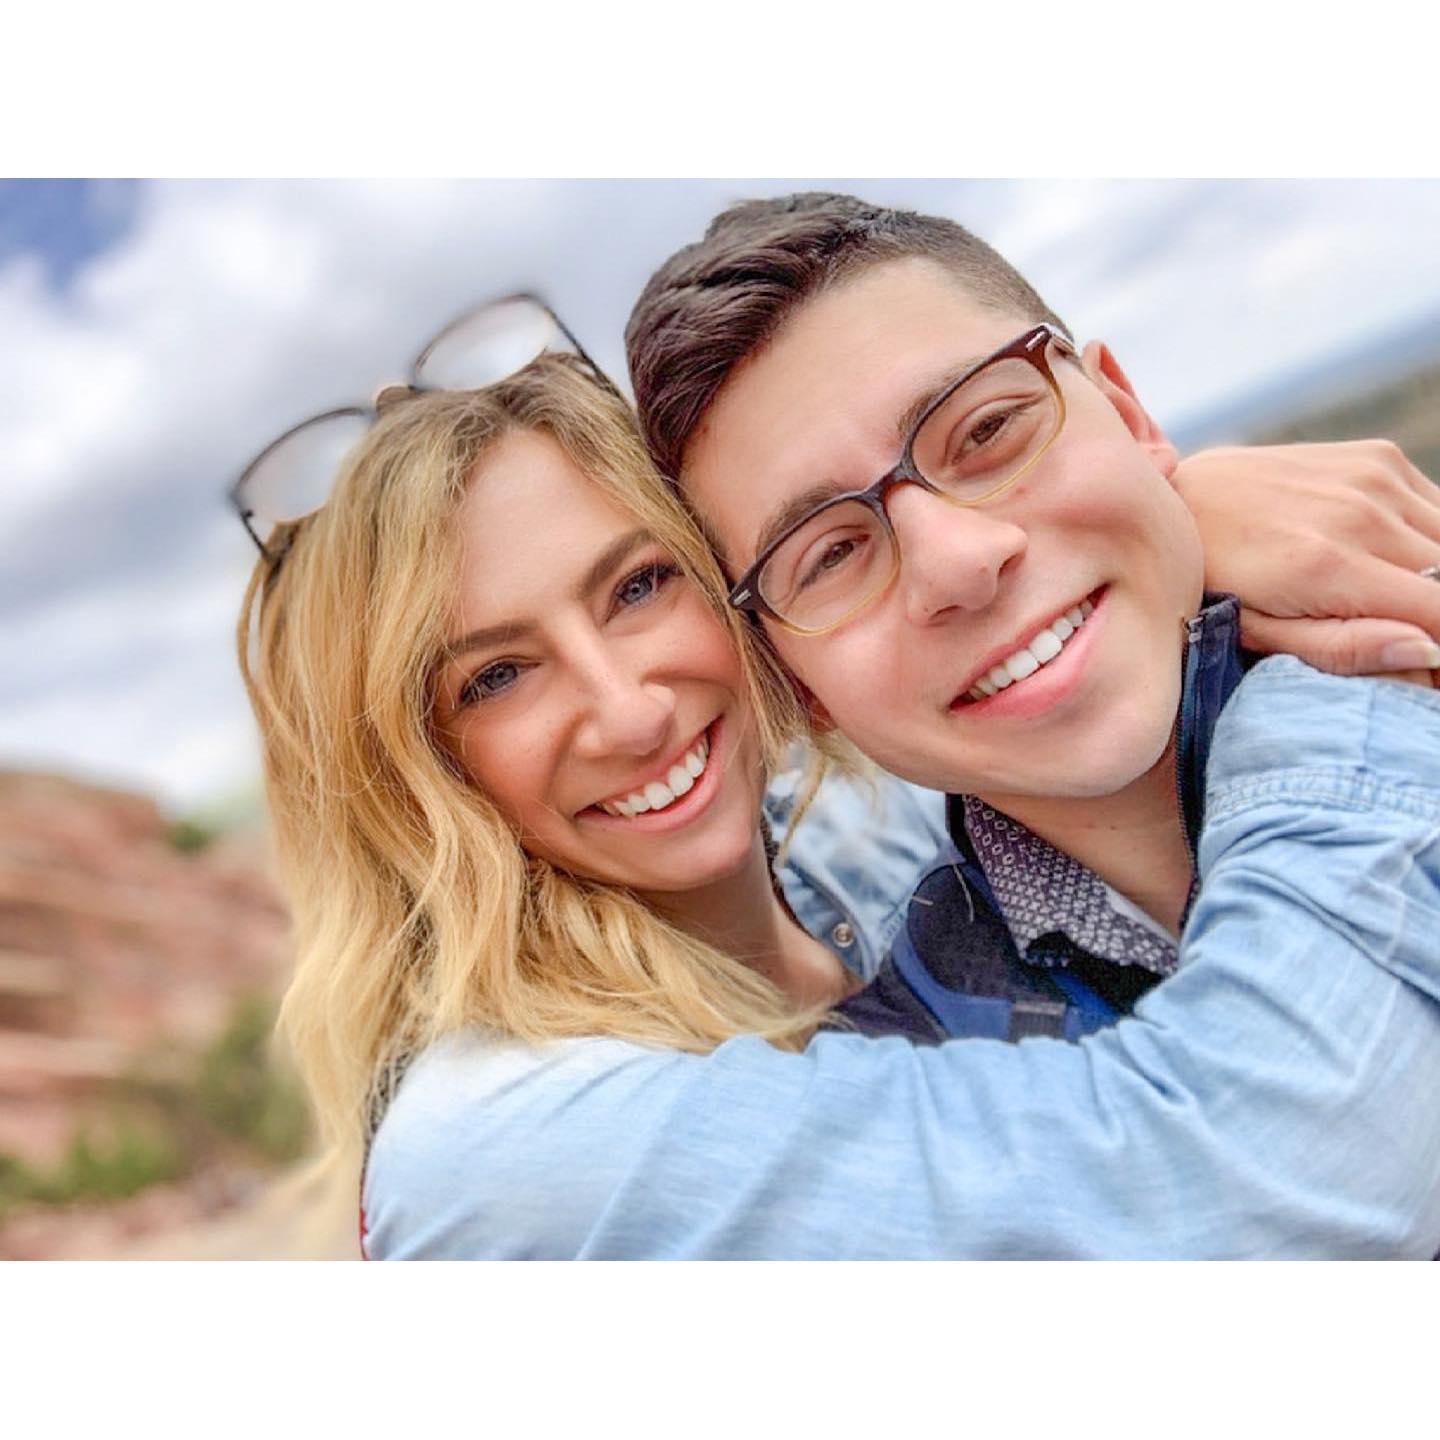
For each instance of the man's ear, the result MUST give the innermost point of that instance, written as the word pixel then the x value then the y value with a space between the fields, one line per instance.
pixel 1104 369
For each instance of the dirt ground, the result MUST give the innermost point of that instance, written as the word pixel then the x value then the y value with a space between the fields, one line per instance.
pixel 308 1213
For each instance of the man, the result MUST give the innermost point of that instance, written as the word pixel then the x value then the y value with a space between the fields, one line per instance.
pixel 960 536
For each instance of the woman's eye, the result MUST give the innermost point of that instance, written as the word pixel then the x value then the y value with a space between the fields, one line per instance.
pixel 493 680
pixel 643 584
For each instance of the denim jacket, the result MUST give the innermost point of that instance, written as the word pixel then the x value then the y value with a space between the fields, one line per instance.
pixel 854 860
pixel 1274 1098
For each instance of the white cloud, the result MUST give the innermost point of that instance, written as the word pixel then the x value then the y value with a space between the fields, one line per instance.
pixel 231 310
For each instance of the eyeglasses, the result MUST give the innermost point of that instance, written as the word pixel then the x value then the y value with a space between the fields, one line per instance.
pixel 292 476
pixel 976 440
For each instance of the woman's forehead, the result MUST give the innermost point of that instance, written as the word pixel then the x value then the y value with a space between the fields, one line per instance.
pixel 533 523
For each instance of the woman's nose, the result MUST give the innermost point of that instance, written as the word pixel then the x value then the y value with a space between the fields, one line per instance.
pixel 625 713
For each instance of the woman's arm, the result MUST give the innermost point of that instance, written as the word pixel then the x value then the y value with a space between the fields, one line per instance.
pixel 1275 1098
pixel 1323 544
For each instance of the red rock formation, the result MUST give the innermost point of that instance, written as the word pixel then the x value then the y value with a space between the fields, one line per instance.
pixel 111 940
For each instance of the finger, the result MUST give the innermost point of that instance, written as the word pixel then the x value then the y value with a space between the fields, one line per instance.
pixel 1368 586
pixel 1343 647
pixel 1384 459
pixel 1423 678
pixel 1422 513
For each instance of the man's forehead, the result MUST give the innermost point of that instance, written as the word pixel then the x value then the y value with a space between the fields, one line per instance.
pixel 825 408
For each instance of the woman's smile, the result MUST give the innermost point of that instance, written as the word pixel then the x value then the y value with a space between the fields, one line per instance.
pixel 682 793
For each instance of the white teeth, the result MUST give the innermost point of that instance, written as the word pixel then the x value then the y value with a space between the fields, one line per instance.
pixel 1045 646
pixel 660 793
pixel 1021 664
pixel 1029 658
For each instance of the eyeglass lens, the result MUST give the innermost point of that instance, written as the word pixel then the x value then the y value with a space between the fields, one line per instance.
pixel 295 476
pixel 978 439
pixel 488 345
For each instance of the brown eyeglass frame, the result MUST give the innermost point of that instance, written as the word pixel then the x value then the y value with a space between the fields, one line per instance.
pixel 1032 346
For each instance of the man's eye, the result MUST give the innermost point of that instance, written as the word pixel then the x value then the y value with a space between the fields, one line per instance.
pixel 831 558
pixel 643 584
pixel 493 680
pixel 985 430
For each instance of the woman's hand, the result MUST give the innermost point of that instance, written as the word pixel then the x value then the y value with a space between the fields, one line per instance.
pixel 1323 544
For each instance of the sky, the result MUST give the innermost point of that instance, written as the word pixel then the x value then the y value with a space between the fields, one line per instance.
pixel 158 333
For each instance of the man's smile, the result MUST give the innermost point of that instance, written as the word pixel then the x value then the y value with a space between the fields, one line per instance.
pixel 1012 663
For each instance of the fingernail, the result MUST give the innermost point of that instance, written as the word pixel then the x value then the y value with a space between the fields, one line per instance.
pixel 1410 655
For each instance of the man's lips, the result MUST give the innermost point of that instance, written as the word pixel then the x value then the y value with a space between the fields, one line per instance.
pixel 1001 653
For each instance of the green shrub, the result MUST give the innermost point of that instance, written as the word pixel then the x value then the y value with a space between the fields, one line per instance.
pixel 191 836
pixel 242 1093
pixel 172 1113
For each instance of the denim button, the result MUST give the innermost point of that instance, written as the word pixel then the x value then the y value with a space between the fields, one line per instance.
pixel 843 935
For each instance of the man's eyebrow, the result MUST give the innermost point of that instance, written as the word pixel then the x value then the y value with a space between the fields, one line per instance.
pixel 796 508
pixel 930 394
pixel 608 560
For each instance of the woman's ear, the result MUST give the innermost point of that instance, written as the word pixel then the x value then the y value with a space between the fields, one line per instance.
pixel 1104 369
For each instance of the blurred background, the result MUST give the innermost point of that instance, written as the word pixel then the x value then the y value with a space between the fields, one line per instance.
pixel 157 333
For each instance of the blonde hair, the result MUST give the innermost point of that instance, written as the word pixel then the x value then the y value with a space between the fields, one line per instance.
pixel 415 910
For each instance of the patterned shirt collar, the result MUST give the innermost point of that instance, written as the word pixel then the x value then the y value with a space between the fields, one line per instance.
pixel 1044 893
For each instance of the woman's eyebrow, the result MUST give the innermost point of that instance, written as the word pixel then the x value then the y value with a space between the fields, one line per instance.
pixel 599 570
pixel 612 556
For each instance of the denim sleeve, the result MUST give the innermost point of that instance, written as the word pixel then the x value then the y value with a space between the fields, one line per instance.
pixel 1275 1098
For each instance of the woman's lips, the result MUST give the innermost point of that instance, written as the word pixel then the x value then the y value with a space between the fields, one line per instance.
pixel 683 809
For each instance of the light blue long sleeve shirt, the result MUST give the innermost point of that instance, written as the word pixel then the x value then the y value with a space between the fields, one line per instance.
pixel 1278 1097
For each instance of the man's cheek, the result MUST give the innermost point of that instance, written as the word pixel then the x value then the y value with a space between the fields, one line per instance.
pixel 863 684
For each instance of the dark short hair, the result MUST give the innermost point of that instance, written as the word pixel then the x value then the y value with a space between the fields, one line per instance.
pixel 716 302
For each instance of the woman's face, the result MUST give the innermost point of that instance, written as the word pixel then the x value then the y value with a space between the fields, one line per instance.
pixel 590 691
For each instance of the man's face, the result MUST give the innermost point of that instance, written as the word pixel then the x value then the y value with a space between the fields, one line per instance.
pixel 1095 522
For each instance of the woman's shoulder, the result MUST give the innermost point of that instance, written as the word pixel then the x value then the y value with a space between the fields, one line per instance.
pixel 499 1149
pixel 481 1121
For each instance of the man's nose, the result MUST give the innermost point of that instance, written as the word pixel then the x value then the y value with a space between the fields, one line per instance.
pixel 951 556
pixel 624 711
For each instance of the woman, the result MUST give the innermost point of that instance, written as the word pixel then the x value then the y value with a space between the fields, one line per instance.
pixel 523 942
pixel 614 1016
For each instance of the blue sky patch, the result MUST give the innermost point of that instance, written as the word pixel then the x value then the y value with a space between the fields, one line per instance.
pixel 66 222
